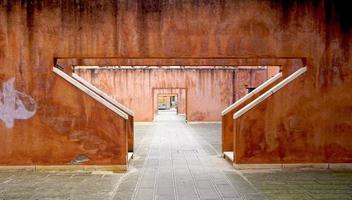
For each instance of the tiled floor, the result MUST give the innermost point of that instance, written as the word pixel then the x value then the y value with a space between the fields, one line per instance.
pixel 28 185
pixel 175 160
pixel 181 165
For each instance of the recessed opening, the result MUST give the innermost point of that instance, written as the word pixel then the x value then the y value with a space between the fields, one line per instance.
pixel 167 102
pixel 199 93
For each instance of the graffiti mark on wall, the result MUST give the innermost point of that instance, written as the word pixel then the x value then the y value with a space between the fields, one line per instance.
pixel 14 104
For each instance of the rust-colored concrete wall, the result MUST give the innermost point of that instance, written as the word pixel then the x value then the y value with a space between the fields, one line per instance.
pixel 32 33
pixel 267 141
pixel 247 78
pixel 272 71
pixel 227 121
pixel 63 129
pixel 208 91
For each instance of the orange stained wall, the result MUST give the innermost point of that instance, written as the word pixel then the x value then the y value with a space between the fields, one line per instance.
pixel 272 71
pixel 33 33
pixel 208 91
pixel 245 78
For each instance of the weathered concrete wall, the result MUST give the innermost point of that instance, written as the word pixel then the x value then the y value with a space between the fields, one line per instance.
pixel 208 91
pixel 228 128
pixel 272 71
pixel 246 78
pixel 32 33
pixel 61 130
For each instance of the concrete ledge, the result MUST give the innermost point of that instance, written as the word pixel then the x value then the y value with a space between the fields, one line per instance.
pixel 257 166
pixel 205 122
pixel 143 123
pixel 88 168
pixel 340 166
pixel 18 167
pixel 103 94
pixel 89 92
pixel 249 95
pixel 305 165
pixel 270 92
pixel 332 166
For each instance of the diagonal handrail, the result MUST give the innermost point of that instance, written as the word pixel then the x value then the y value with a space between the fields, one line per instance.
pixel 91 93
pixel 270 92
pixel 251 94
pixel 102 94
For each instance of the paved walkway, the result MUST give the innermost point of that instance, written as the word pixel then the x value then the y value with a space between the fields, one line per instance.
pixel 180 165
pixel 29 185
pixel 175 160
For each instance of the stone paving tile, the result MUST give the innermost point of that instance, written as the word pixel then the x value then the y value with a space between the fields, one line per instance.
pixel 185 167
pixel 301 184
pixel 278 184
pixel 207 190
pixel 57 185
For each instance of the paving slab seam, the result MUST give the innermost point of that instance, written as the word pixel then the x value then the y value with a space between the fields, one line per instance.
pixel 137 187
pixel 194 182
pixel 120 181
pixel 226 178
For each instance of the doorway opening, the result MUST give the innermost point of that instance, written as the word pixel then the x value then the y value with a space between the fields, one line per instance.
pixel 171 101
pixel 167 108
pixel 167 103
